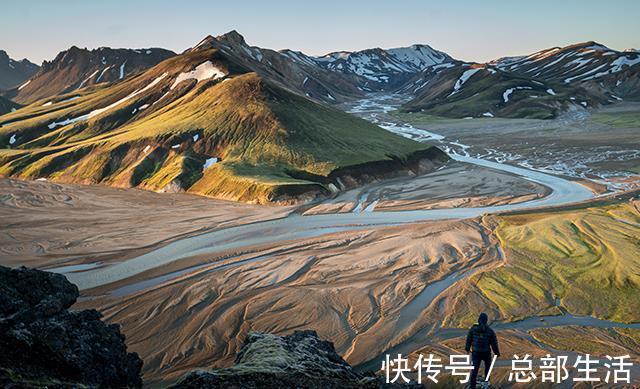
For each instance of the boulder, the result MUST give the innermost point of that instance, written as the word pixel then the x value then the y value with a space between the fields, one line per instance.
pixel 299 360
pixel 43 344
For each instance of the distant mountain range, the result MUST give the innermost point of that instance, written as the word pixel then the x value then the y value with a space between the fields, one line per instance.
pixel 541 85
pixel 234 121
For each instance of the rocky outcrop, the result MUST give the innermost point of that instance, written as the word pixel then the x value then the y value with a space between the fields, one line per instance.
pixel 299 360
pixel 45 345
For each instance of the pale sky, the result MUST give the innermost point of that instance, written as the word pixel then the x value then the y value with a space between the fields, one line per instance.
pixel 467 30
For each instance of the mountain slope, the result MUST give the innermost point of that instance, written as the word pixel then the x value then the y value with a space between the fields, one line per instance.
pixel 484 91
pixel 14 73
pixel 205 123
pixel 541 85
pixel 290 69
pixel 589 65
pixel 77 68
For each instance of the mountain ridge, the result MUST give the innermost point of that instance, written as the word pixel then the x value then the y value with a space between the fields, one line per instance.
pixel 75 68
pixel 14 73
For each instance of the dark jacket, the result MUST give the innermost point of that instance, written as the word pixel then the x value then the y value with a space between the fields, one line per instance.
pixel 481 338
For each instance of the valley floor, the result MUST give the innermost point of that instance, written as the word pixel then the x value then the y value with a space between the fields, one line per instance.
pixel 369 285
pixel 602 145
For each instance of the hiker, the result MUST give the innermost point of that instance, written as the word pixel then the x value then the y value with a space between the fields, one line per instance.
pixel 481 339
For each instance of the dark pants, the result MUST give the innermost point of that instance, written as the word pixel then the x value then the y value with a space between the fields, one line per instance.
pixel 476 358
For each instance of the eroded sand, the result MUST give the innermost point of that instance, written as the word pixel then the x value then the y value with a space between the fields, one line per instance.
pixel 49 225
pixel 455 185
pixel 364 290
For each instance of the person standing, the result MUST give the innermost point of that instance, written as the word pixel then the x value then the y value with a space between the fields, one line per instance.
pixel 481 339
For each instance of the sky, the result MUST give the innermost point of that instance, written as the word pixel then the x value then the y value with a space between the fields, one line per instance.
pixel 467 30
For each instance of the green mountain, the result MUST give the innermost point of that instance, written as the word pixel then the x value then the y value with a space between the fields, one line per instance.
pixel 203 123
pixel 483 90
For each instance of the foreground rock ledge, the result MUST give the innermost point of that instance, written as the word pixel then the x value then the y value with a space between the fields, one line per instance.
pixel 43 344
pixel 300 360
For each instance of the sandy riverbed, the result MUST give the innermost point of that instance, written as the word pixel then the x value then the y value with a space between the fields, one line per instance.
pixel 50 225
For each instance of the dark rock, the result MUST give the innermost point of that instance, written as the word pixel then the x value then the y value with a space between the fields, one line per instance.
pixel 300 360
pixel 43 344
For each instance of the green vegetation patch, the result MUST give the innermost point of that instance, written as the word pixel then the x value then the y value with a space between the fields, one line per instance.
pixel 585 261
pixel 618 119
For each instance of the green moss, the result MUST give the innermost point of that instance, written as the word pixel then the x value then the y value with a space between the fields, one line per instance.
pixel 587 258
pixel 618 119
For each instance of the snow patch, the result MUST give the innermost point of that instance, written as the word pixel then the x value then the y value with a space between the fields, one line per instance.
pixel 445 65
pixel 102 73
pixel 203 71
pixel 88 78
pixel 551 92
pixel 508 92
pixel 209 162
pixel 464 77
pixel 101 110
pixel 23 85
pixel 69 99
pixel 122 70
pixel 12 140
pixel 195 137
pixel 487 114
pixel 48 103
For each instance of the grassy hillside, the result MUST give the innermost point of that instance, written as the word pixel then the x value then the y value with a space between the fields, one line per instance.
pixel 235 136
pixel 618 119
pixel 588 259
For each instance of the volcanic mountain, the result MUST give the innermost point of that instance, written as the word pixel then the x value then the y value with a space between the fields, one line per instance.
pixel 289 69
pixel 590 65
pixel 206 122
pixel 14 73
pixel 541 85
pixel 76 68
pixel 479 90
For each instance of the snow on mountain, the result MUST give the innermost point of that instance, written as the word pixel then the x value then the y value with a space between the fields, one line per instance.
pixel 382 66
pixel 575 63
pixel 77 68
